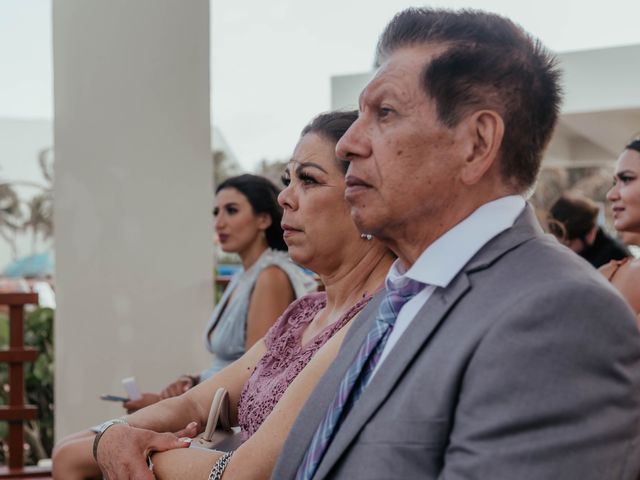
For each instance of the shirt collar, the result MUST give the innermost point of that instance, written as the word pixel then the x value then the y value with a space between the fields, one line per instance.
pixel 445 257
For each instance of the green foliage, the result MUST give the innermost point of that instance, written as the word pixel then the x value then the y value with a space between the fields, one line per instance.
pixel 38 380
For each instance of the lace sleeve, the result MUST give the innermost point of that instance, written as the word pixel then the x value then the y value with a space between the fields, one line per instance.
pixel 289 317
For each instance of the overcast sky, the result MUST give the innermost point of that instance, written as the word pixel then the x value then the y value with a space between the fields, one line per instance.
pixel 272 60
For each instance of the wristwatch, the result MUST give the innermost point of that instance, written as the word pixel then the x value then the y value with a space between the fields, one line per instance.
pixel 103 427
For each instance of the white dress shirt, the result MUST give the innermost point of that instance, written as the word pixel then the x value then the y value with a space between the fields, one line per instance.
pixel 445 257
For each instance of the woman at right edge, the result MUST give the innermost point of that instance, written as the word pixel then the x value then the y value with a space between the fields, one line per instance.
pixel 625 202
pixel 267 387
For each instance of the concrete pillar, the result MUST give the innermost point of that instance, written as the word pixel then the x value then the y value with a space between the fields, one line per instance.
pixel 133 198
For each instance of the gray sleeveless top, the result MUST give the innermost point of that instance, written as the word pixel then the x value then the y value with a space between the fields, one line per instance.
pixel 226 331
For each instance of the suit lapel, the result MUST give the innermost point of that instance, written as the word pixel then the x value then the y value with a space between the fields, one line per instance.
pixel 355 337
pixel 399 359
pixel 525 228
pixel 409 345
pixel 316 406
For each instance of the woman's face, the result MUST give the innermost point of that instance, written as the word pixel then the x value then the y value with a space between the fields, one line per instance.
pixel 625 193
pixel 316 220
pixel 237 226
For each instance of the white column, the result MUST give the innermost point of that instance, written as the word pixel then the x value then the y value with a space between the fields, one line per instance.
pixel 133 198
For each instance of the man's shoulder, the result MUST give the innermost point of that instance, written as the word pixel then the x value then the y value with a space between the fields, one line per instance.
pixel 539 255
pixel 541 275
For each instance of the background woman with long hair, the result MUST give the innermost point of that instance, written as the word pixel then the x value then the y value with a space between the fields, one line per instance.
pixel 625 202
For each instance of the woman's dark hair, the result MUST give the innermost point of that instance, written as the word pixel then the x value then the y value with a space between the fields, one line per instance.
pixel 634 145
pixel 332 126
pixel 263 197
pixel 577 214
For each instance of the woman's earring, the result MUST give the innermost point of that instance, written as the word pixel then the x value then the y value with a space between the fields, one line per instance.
pixel 366 236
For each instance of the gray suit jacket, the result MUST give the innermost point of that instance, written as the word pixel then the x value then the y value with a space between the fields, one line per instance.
pixel 526 367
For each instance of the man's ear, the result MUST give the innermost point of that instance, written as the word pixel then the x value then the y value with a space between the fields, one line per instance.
pixel 264 220
pixel 485 130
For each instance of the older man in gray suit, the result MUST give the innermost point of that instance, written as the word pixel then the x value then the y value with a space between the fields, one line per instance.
pixel 494 353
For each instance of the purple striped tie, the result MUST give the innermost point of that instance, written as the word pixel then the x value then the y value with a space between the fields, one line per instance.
pixel 359 373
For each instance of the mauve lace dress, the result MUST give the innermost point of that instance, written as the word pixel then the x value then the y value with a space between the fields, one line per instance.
pixel 285 358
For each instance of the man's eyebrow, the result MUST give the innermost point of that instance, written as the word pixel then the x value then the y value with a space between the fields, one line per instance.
pixel 376 94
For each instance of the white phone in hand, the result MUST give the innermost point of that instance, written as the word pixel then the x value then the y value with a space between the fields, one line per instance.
pixel 131 388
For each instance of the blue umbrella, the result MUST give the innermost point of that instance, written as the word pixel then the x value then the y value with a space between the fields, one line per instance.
pixel 227 269
pixel 38 265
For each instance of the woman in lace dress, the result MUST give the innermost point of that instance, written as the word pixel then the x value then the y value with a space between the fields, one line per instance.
pixel 270 383
pixel 625 202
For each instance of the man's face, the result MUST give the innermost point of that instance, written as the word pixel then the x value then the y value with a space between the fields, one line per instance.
pixel 404 164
